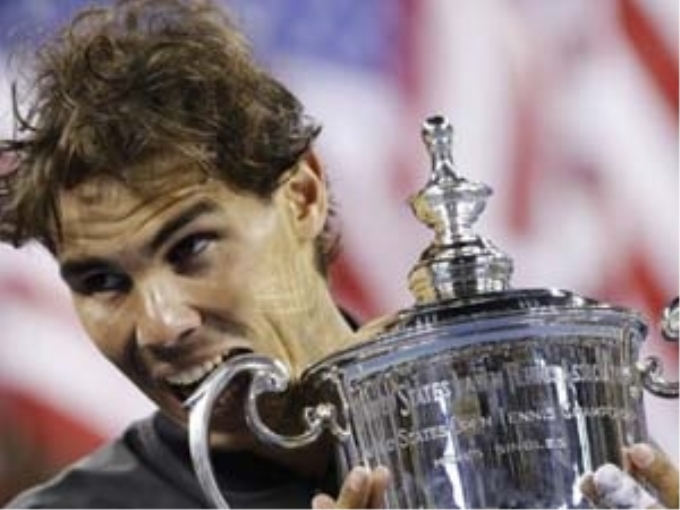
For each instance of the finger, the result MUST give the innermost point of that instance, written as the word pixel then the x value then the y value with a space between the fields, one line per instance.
pixel 589 490
pixel 356 489
pixel 626 464
pixel 323 502
pixel 655 468
pixel 617 489
pixel 380 479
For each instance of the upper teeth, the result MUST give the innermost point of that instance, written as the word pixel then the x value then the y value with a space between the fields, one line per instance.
pixel 193 374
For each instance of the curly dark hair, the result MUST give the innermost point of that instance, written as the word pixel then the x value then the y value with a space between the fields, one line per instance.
pixel 143 79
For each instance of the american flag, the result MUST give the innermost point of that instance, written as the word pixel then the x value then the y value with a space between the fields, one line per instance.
pixel 568 109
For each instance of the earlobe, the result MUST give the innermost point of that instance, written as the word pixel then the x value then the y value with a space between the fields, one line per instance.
pixel 306 197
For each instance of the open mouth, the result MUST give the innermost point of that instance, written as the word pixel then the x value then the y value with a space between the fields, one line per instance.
pixel 185 383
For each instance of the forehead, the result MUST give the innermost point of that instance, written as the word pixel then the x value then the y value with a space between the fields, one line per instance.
pixel 147 179
pixel 106 206
pixel 109 194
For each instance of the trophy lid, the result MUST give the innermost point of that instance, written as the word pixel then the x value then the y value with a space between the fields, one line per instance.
pixel 458 263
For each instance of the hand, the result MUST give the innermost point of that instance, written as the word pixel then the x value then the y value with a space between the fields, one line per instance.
pixel 614 488
pixel 655 468
pixel 362 489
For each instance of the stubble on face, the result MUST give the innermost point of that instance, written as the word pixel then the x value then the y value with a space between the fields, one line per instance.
pixel 289 287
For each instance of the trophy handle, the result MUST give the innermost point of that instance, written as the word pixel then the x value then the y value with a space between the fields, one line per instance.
pixel 268 375
pixel 651 368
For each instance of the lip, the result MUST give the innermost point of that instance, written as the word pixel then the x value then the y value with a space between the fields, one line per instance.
pixel 162 370
pixel 179 393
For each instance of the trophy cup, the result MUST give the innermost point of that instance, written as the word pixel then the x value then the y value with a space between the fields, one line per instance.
pixel 479 395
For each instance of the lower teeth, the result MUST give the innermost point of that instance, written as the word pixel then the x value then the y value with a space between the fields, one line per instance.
pixel 186 390
pixel 235 387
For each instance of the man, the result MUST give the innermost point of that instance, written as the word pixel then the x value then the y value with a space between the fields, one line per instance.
pixel 175 183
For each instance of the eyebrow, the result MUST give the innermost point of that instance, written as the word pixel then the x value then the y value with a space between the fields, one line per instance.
pixel 69 269
pixel 180 221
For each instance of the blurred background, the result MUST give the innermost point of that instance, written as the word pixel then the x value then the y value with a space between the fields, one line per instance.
pixel 567 108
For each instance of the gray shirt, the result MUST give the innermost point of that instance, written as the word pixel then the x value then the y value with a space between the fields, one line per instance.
pixel 150 467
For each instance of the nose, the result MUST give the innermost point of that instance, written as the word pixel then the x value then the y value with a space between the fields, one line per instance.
pixel 166 316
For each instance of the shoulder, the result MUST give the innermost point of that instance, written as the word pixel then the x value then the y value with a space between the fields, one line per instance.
pixel 114 476
pixel 90 483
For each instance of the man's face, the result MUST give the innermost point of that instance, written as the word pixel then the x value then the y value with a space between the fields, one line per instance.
pixel 171 284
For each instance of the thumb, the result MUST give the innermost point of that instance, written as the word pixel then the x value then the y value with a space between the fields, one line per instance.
pixel 655 468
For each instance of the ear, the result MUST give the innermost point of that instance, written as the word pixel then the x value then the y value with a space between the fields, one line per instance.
pixel 305 195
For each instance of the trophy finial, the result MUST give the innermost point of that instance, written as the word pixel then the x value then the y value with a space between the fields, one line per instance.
pixel 458 263
pixel 437 134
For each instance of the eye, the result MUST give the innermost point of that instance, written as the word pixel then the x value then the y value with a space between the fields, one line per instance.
pixel 188 249
pixel 100 282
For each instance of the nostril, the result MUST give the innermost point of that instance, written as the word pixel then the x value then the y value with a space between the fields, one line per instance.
pixel 163 332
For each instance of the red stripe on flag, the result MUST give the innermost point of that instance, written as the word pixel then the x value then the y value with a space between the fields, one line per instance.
pixel 63 438
pixel 406 171
pixel 655 55
pixel 523 164
pixel 36 441
pixel 405 66
pixel 351 291
pixel 647 283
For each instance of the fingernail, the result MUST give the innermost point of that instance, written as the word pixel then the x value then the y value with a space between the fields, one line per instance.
pixel 357 478
pixel 608 478
pixel 321 501
pixel 383 471
pixel 617 489
pixel 641 454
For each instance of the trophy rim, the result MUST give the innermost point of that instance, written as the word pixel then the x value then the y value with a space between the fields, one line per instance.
pixel 410 325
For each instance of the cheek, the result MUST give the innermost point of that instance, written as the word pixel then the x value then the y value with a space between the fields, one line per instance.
pixel 106 328
pixel 223 285
pixel 282 282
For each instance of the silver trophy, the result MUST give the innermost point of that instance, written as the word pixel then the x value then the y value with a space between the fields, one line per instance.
pixel 479 395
